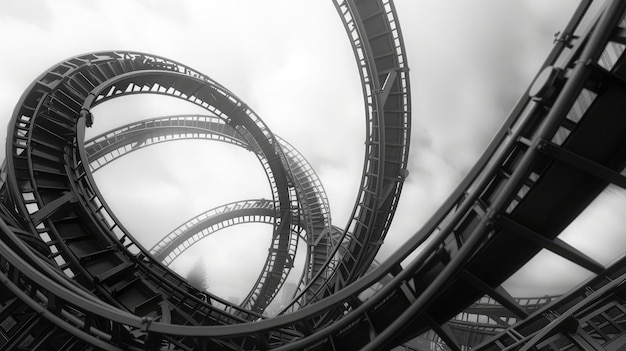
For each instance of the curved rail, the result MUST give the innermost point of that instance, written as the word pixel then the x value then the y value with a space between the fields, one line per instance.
pixel 541 170
pixel 170 81
pixel 589 317
pixel 378 47
pixel 46 131
pixel 481 321
pixel 312 199
pixel 209 222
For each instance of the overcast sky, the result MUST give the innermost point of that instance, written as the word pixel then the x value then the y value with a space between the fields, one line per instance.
pixel 291 62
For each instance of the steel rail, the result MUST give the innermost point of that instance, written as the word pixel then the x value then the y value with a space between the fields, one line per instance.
pixel 240 117
pixel 21 134
pixel 462 236
pixel 313 201
pixel 162 63
pixel 524 331
pixel 546 130
pixel 209 222
pixel 387 113
pixel 131 133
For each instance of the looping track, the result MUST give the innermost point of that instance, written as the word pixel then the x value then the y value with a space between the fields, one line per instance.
pixel 74 279
pixel 312 200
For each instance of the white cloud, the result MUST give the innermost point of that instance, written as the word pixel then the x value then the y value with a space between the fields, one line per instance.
pixel 291 62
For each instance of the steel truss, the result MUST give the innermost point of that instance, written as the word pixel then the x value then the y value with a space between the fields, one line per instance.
pixel 74 279
pixel 315 220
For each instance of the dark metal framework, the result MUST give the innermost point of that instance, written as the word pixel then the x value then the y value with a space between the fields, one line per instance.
pixel 73 278
pixel 315 220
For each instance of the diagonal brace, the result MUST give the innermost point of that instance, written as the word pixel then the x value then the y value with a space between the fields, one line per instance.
pixel 498 294
pixel 556 245
pixel 582 163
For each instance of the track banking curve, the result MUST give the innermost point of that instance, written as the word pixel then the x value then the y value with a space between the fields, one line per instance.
pixel 312 200
pixel 72 280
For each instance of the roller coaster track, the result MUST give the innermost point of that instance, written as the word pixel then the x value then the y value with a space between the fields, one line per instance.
pixel 483 320
pixel 50 158
pixel 315 210
pixel 185 236
pixel 71 281
pixel 592 316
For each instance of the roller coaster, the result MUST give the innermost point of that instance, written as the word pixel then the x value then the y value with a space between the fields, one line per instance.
pixel 74 278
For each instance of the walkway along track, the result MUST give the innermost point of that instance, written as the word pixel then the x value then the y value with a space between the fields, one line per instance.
pixel 541 170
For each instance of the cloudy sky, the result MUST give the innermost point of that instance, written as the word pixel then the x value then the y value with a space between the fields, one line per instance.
pixel 291 62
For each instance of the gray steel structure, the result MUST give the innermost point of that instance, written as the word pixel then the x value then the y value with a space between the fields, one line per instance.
pixel 74 279
pixel 314 222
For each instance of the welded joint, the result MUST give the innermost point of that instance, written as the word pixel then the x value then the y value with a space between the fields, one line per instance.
pixel 145 324
pixel 408 292
pixel 87 115
pixel 492 225
pixel 564 37
pixel 587 62
pixel 541 145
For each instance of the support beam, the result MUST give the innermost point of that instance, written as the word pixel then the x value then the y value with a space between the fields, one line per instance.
pixel 556 246
pixel 562 155
pixel 51 207
pixel 619 35
pixel 498 294
pixel 445 333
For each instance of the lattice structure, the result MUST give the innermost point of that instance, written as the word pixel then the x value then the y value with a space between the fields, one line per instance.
pixel 73 278
pixel 312 202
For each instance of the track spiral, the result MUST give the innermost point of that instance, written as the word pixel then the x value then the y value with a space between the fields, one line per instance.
pixel 73 278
